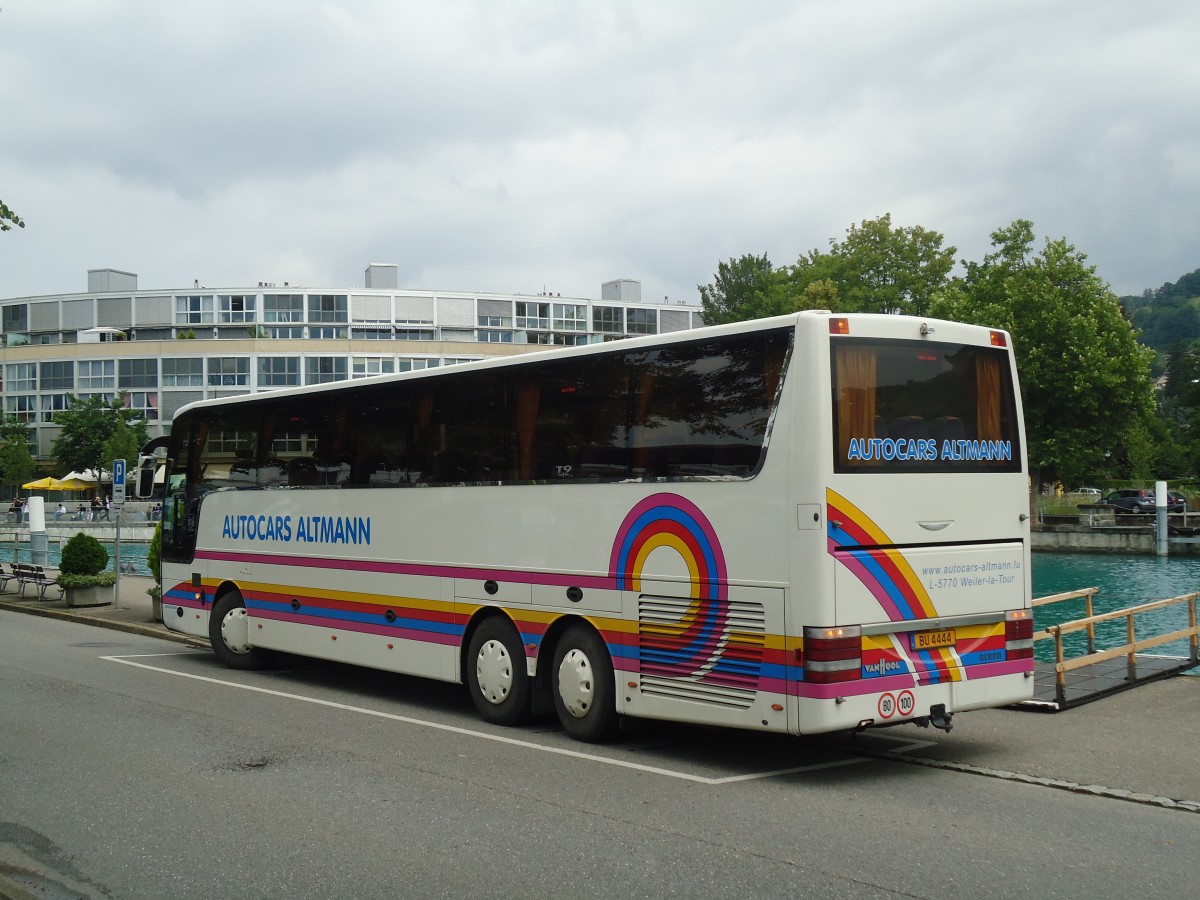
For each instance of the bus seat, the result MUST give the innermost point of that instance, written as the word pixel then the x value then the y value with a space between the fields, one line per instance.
pixel 908 428
pixel 947 428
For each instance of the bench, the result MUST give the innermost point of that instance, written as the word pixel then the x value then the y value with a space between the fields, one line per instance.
pixel 7 574
pixel 36 575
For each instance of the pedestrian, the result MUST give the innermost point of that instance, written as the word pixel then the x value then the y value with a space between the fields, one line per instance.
pixel 61 511
pixel 94 513
pixel 25 511
pixel 14 511
pixel 105 506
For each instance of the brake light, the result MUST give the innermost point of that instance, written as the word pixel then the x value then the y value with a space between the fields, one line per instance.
pixel 832 654
pixel 1018 634
pixel 999 339
pixel 838 325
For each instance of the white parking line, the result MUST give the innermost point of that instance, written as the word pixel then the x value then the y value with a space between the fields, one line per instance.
pixel 500 739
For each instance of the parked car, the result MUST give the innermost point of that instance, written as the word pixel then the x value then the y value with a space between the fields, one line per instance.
pixel 1131 500
pixel 1086 492
pixel 1176 502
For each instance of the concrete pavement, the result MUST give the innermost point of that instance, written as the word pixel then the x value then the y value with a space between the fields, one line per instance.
pixel 1138 746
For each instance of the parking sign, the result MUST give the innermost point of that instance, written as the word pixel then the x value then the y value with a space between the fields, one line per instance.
pixel 118 480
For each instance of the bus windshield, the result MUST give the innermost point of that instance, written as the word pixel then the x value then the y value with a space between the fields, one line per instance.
pixel 909 406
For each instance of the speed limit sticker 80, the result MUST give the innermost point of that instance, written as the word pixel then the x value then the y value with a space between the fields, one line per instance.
pixel 890 704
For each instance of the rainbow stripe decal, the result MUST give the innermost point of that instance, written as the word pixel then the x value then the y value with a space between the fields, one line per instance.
pixel 694 645
pixel 861 546
pixel 884 572
pixel 669 520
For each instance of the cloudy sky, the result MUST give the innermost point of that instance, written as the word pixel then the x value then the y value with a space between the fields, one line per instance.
pixel 530 145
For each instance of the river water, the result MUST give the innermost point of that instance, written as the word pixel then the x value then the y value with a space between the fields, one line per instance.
pixel 1124 580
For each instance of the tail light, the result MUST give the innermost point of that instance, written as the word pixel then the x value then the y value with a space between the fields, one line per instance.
pixel 832 654
pixel 998 339
pixel 1018 634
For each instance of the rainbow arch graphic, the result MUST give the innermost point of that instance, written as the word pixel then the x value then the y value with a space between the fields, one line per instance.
pixel 692 646
pixel 669 520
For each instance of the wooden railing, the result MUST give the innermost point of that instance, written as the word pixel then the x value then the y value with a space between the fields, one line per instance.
pixel 1132 645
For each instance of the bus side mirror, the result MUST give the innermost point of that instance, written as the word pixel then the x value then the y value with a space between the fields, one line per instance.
pixel 147 465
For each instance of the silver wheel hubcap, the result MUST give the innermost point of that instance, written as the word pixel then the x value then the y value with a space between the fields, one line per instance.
pixel 494 672
pixel 576 687
pixel 235 631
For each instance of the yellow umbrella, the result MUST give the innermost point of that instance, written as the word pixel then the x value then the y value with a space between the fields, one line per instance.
pixel 42 484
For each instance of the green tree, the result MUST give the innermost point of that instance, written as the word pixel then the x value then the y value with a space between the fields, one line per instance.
pixel 88 425
pixel 17 464
pixel 878 268
pixel 1084 377
pixel 123 443
pixel 8 218
pixel 743 288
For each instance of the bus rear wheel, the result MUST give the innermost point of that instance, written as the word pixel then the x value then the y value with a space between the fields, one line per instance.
pixel 229 634
pixel 496 673
pixel 584 692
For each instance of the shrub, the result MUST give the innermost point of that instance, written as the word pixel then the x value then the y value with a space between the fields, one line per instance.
pixel 154 551
pixel 83 555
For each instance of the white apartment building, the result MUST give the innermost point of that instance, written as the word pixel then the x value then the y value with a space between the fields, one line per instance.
pixel 167 348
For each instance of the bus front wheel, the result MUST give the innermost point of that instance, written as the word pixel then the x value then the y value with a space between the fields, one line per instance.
pixel 229 634
pixel 496 673
pixel 584 692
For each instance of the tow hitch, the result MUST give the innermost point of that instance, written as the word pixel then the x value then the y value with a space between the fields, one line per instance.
pixel 938 718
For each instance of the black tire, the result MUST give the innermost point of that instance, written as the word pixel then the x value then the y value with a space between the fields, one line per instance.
pixel 497 676
pixel 228 634
pixel 583 686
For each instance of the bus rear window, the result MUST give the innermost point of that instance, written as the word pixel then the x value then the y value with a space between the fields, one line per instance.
pixel 922 406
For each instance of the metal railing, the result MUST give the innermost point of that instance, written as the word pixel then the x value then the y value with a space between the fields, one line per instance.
pixel 1132 645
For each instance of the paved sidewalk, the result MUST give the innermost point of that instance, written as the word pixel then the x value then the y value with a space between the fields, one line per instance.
pixel 133 610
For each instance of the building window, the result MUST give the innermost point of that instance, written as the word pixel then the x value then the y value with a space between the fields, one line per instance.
pixel 459 360
pixel 228 371
pixel 137 373
pixel 327 308
pixel 51 404
pixel 278 371
pixel 371 332
pixel 15 318
pixel 237 307
pixel 608 319
pixel 283 307
pixel 145 402
pixel 570 317
pixel 283 332
pixel 58 376
pixel 231 442
pixel 22 407
pixel 532 315
pixel 366 366
pixel 643 321
pixel 20 377
pixel 323 369
pixel 326 333
pixel 570 340
pixel 182 372
pixel 194 310
pixel 407 334
pixel 495 321
pixel 97 375
pixel 494 337
pixel 415 364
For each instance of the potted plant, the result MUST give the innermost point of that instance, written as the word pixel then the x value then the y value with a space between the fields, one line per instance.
pixel 83 573
pixel 153 555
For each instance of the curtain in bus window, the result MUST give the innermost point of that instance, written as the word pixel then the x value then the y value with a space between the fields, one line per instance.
pixel 528 399
pixel 988 384
pixel 856 378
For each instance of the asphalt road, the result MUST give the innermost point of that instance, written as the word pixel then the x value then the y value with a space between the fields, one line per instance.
pixel 135 767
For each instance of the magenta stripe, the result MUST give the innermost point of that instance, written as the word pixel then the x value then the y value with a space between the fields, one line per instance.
pixel 870 582
pixel 552 579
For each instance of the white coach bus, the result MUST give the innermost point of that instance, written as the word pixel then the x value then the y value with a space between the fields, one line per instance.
pixel 801 524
